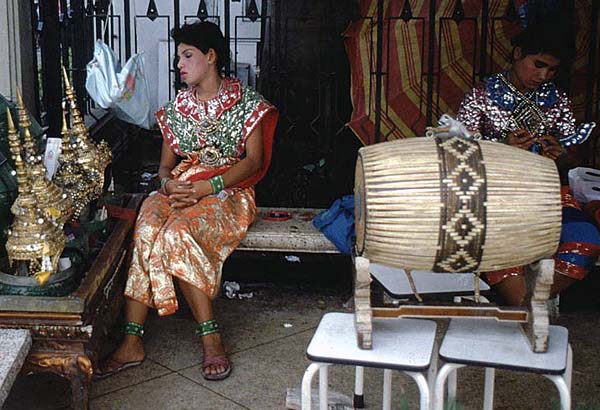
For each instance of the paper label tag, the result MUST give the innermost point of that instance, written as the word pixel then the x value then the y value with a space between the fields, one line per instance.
pixel 51 156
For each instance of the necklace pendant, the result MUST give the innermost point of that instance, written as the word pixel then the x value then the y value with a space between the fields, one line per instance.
pixel 207 126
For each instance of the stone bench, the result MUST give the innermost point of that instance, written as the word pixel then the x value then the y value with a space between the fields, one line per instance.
pixel 286 230
pixel 14 347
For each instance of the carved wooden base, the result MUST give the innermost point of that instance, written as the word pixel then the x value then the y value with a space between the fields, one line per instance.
pixel 68 332
pixel 539 279
pixel 362 303
pixel 77 368
pixel 534 317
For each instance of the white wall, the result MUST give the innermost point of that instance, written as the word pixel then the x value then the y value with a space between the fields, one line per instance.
pixel 16 67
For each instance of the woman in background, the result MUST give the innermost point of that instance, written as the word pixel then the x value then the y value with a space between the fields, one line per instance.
pixel 522 107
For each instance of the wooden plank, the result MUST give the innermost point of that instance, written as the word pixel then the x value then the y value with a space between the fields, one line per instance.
pixel 447 311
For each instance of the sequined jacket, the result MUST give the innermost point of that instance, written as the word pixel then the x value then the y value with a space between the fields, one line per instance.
pixel 488 108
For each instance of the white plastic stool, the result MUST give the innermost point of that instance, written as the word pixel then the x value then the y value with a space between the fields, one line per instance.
pixel 432 284
pixel 498 345
pixel 398 344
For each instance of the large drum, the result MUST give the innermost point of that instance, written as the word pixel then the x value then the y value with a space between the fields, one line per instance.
pixel 455 205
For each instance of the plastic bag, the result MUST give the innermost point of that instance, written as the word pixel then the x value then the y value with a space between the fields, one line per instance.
pixel 585 184
pixel 449 127
pixel 337 223
pixel 123 90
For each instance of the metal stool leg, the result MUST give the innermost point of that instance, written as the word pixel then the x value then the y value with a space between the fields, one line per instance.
pixel 563 382
pixel 309 373
pixel 452 383
pixel 563 390
pixel 323 387
pixel 569 369
pixel 440 381
pixel 432 372
pixel 387 389
pixel 488 391
pixel 423 385
pixel 359 398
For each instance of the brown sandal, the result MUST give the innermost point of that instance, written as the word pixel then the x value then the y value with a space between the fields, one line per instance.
pixel 101 372
pixel 220 360
pixel 204 329
pixel 133 329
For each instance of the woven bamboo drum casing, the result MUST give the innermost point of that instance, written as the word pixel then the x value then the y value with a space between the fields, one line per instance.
pixel 455 205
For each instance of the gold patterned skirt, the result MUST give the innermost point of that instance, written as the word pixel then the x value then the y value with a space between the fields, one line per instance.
pixel 190 244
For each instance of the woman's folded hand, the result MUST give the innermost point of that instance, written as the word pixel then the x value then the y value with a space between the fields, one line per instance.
pixel 184 193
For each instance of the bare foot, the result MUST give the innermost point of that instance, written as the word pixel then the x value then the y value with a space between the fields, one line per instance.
pixel 212 348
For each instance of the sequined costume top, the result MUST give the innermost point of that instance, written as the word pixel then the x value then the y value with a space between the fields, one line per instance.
pixel 214 132
pixel 494 108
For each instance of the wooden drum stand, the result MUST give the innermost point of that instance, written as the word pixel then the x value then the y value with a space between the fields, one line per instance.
pixel 456 205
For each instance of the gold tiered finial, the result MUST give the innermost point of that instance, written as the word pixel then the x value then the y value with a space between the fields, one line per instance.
pixel 92 152
pixel 15 149
pixel 24 123
pixel 66 149
pixel 23 114
pixel 51 198
pixel 70 174
pixel 93 159
pixel 33 237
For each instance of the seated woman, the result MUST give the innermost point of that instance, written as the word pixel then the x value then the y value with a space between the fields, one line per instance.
pixel 185 231
pixel 522 107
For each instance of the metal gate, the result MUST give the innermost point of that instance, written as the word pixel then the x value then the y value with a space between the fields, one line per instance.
pixel 299 64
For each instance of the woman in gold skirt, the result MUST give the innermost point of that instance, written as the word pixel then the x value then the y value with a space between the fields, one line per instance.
pixel 217 138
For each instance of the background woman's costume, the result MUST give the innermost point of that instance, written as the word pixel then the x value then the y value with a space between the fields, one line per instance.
pixel 494 109
pixel 192 243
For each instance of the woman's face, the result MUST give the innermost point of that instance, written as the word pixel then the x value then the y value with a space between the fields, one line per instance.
pixel 194 66
pixel 532 70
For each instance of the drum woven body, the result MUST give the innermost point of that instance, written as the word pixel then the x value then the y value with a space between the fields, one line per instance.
pixel 455 205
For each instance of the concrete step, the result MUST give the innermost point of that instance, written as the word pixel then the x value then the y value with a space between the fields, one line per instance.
pixel 14 347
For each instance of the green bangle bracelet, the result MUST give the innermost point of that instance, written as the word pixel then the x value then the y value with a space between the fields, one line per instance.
pixel 217 184
pixel 212 185
pixel 163 183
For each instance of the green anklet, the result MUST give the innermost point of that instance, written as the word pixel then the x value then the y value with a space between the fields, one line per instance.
pixel 134 329
pixel 207 328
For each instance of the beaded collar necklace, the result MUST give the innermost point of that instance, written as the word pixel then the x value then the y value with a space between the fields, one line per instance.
pixel 526 114
pixel 207 124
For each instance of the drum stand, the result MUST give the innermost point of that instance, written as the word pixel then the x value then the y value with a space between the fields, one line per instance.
pixel 533 318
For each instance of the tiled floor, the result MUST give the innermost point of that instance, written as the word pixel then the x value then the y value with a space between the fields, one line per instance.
pixel 268 357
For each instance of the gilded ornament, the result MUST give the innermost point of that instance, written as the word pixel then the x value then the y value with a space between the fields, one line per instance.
pixel 51 198
pixel 82 174
pixel 34 237
pixel 210 155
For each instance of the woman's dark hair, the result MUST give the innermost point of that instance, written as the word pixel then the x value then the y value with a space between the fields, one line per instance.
pixel 547 37
pixel 204 35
